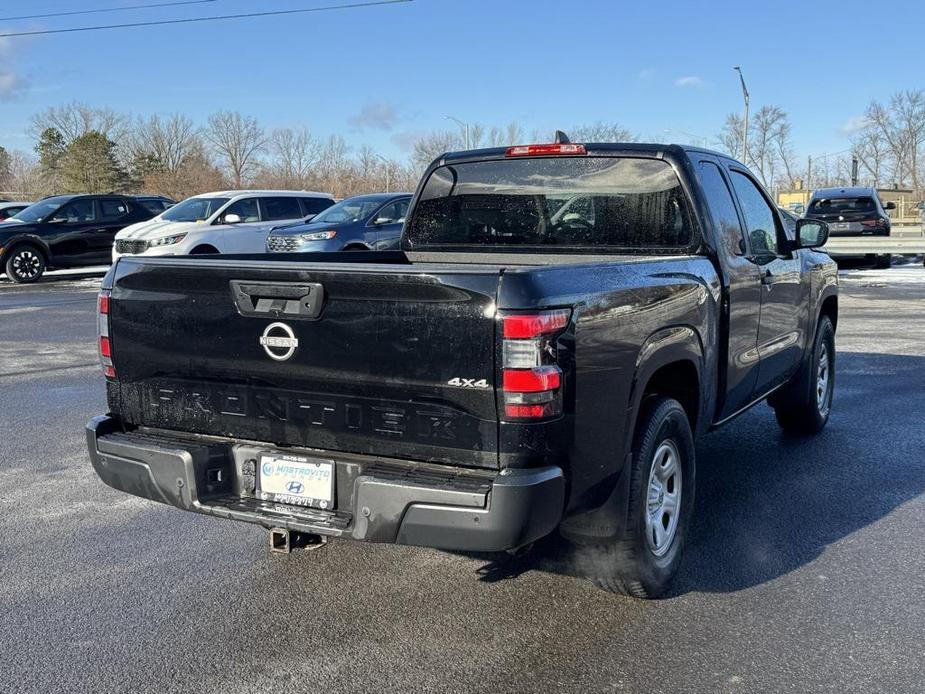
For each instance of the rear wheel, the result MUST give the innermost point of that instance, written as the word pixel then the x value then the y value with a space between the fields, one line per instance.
pixel 643 561
pixel 25 264
pixel 803 406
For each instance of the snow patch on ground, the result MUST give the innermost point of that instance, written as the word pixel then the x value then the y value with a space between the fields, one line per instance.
pixel 901 275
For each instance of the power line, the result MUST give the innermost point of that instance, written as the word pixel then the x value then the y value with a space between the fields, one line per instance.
pixel 189 20
pixel 106 9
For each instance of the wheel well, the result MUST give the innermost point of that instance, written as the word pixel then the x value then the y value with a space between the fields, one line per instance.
pixel 203 249
pixel 678 380
pixel 830 309
pixel 356 247
pixel 27 244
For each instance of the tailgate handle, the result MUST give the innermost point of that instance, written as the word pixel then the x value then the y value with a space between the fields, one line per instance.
pixel 294 300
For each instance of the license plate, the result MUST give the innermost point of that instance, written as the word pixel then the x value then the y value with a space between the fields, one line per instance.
pixel 840 226
pixel 296 479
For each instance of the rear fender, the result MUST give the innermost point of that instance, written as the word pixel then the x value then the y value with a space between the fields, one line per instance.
pixel 667 346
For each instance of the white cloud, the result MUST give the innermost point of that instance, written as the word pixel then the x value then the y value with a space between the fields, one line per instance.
pixel 854 124
pixel 689 81
pixel 379 115
pixel 11 84
pixel 406 140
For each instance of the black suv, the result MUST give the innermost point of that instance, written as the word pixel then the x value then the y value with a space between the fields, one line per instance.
pixel 65 231
pixel 851 211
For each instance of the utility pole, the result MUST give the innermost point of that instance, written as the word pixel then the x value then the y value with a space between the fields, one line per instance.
pixel 388 172
pixel 745 122
pixel 854 170
pixel 809 172
pixel 461 124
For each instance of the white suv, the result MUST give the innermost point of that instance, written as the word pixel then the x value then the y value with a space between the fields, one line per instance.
pixel 236 221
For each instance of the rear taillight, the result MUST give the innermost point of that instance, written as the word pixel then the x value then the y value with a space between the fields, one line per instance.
pixel 105 344
pixel 879 222
pixel 545 150
pixel 532 380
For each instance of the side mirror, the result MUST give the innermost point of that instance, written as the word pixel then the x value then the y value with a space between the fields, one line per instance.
pixel 889 206
pixel 811 233
pixel 232 218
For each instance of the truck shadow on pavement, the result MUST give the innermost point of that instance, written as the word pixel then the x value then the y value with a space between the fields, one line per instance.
pixel 768 504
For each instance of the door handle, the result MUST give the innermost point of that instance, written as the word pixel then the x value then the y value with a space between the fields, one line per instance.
pixel 767 277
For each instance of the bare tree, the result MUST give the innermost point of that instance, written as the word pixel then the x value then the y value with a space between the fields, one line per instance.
pixel 167 141
pixel 770 148
pixel 25 177
pixel 730 137
pixel 294 152
pixel 872 151
pixel 601 132
pixel 196 174
pixel 762 153
pixel 783 145
pixel 900 126
pixel 237 141
pixel 75 119
pixel 511 134
pixel 908 109
pixel 881 121
pixel 435 143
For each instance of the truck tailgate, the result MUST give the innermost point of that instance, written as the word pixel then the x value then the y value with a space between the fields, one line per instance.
pixel 393 360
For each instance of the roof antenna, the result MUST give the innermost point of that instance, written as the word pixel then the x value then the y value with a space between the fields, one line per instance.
pixel 562 138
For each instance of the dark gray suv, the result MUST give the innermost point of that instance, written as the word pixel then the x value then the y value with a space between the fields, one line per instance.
pixel 851 211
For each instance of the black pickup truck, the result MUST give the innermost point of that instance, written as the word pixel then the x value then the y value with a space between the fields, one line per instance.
pixel 560 325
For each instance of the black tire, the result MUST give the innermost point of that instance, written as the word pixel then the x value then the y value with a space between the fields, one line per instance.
pixel 803 406
pixel 204 250
pixel 632 565
pixel 25 264
pixel 884 261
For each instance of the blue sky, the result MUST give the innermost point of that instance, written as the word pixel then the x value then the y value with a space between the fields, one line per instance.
pixel 379 75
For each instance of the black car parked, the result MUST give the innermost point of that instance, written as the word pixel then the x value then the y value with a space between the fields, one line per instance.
pixel 854 211
pixel 65 231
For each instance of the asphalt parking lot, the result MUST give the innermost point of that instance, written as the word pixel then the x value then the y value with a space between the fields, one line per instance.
pixel 805 570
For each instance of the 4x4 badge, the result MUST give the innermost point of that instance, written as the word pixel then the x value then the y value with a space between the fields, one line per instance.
pixel 279 342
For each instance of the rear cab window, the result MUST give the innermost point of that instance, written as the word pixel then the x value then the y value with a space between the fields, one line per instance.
pixel 623 203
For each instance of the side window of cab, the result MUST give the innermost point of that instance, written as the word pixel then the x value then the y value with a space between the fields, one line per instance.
pixel 722 209
pixel 761 220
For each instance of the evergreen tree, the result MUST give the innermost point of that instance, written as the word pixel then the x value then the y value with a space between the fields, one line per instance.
pixel 89 165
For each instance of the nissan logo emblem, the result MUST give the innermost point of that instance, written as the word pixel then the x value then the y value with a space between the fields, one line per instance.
pixel 279 342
